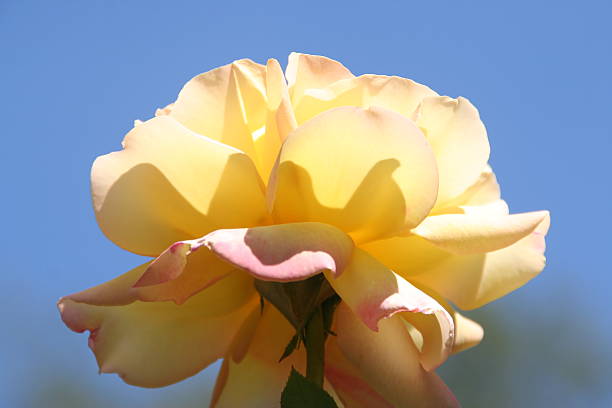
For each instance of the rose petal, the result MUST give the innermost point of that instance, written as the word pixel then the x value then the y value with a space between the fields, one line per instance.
pixel 352 389
pixel 369 172
pixel 169 184
pixel 280 120
pixel 180 272
pixel 374 292
pixel 468 333
pixel 312 71
pixel 389 363
pixel 391 92
pixel 157 344
pixel 259 378
pixel 459 141
pixel 284 252
pixel 471 281
pixel 478 232
pixel 227 104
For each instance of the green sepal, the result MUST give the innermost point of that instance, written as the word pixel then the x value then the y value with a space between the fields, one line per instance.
pixel 303 393
pixel 291 346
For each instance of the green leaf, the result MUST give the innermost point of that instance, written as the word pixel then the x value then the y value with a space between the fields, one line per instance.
pixel 302 393
pixel 293 343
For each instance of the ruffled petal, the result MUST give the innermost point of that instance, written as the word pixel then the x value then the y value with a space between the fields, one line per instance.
pixel 471 281
pixel 369 172
pixel 169 184
pixel 478 232
pixel 388 361
pixel 459 141
pixel 180 272
pixel 374 292
pixel 391 92
pixel 227 104
pixel 160 343
pixel 312 71
pixel 285 252
pixel 259 378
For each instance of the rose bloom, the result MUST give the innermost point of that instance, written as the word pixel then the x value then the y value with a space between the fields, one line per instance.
pixel 375 181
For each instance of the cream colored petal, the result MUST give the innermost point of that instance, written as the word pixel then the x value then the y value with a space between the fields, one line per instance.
pixel 259 378
pixel 227 104
pixel 471 281
pixel 398 94
pixel 280 120
pixel 408 255
pixel 388 361
pixel 369 172
pixel 169 184
pixel 478 232
pixel 312 71
pixel 160 343
pixel 468 333
pixel 484 192
pixel 374 292
pixel 459 141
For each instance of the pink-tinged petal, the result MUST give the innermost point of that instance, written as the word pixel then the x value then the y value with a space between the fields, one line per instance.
pixel 169 184
pixel 478 231
pixel 369 172
pixel 388 361
pixel 346 380
pixel 459 141
pixel 259 378
pixel 398 94
pixel 157 344
pixel 312 71
pixel 284 252
pixel 374 292
pixel 180 272
pixel 470 281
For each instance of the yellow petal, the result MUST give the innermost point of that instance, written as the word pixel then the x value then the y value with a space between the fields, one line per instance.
pixel 169 184
pixel 312 71
pixel 259 378
pixel 227 104
pixel 478 232
pixel 389 362
pixel 484 192
pixel 369 172
pixel 160 343
pixel 468 333
pixel 280 120
pixel 391 92
pixel 374 292
pixel 459 141
pixel 471 281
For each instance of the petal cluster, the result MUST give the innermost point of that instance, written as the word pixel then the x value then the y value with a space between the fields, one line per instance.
pixel 375 181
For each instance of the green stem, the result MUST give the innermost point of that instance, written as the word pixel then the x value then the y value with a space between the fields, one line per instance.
pixel 315 347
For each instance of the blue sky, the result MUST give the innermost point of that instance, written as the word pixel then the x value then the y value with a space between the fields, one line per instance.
pixel 74 76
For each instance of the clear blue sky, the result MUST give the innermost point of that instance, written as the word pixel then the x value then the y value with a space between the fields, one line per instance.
pixel 74 75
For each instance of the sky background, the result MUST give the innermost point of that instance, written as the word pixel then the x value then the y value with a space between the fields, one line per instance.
pixel 74 75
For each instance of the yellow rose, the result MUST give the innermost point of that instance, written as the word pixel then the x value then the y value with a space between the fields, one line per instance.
pixel 375 181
